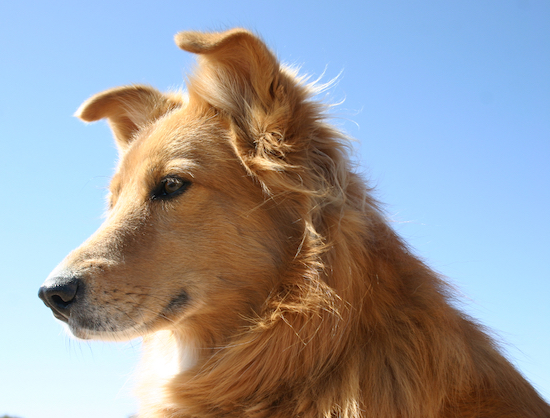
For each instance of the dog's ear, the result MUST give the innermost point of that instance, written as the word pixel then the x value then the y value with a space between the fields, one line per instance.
pixel 127 109
pixel 239 75
pixel 236 68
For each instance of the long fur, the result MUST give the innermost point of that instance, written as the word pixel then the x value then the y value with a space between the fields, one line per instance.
pixel 319 309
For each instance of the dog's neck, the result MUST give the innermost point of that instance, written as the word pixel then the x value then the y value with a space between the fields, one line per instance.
pixel 165 355
pixel 186 353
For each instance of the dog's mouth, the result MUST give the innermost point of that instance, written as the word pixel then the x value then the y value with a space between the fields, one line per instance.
pixel 105 329
pixel 110 317
pixel 88 322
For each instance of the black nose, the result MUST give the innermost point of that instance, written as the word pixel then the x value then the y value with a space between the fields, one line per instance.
pixel 59 295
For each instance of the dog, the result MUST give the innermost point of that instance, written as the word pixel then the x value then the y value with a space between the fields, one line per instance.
pixel 257 267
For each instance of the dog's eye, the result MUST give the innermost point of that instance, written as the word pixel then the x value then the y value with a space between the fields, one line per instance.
pixel 170 187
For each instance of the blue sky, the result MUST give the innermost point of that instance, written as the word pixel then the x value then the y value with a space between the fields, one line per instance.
pixel 449 102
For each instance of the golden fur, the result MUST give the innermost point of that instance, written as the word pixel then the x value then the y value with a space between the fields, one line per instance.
pixel 269 284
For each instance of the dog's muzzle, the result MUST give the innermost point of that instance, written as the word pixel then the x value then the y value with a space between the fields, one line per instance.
pixel 60 294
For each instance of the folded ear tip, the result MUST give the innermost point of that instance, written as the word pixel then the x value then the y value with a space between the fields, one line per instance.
pixel 90 110
pixel 82 114
pixel 183 39
pixel 203 43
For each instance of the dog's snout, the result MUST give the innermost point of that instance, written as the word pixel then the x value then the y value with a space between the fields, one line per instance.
pixel 59 295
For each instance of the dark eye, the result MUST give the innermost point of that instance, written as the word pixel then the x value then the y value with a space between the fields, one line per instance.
pixel 170 187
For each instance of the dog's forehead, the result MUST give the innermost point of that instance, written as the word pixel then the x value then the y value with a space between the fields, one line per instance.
pixel 198 142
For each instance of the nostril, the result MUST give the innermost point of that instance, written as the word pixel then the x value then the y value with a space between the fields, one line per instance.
pixel 60 295
pixel 58 300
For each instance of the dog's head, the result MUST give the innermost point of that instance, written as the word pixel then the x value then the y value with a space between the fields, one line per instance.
pixel 213 202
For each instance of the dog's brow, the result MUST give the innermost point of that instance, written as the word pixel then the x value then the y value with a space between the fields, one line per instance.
pixel 183 165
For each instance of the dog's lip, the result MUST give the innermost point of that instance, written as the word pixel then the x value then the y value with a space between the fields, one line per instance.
pixel 79 333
